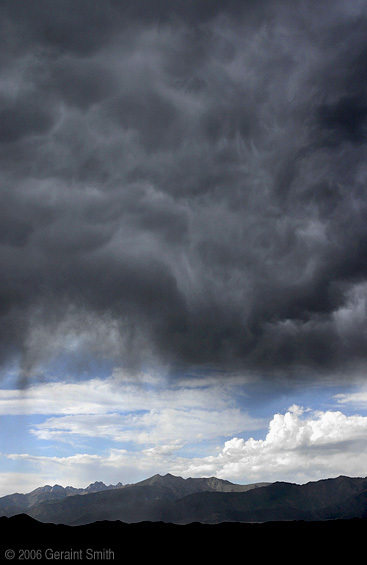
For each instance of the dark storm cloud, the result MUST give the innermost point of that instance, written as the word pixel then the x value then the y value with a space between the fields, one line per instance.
pixel 184 183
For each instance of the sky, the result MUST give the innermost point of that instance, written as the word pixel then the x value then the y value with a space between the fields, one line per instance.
pixel 183 240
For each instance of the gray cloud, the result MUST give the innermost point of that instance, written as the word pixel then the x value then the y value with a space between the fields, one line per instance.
pixel 184 184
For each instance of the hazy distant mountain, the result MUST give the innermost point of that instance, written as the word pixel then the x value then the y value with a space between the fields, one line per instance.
pixel 208 501
pixel 150 500
pixel 177 487
pixel 130 503
pixel 16 503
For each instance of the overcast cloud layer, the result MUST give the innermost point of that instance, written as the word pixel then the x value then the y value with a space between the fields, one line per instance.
pixel 184 183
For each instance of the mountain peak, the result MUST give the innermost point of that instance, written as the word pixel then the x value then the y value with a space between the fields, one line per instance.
pixel 45 488
pixel 163 479
pixel 57 488
pixel 96 486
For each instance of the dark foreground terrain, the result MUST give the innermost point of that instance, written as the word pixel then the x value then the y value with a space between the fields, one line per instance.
pixel 24 539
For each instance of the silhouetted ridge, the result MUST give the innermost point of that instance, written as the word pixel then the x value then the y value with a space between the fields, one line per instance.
pixel 148 541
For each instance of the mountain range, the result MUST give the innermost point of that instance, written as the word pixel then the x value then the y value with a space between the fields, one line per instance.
pixel 170 499
pixel 49 502
pixel 13 504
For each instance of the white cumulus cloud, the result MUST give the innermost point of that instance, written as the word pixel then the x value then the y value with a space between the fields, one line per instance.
pixel 299 446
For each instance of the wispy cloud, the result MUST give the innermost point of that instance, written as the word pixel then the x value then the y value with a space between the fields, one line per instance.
pixel 119 409
pixel 356 399
pixel 152 427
